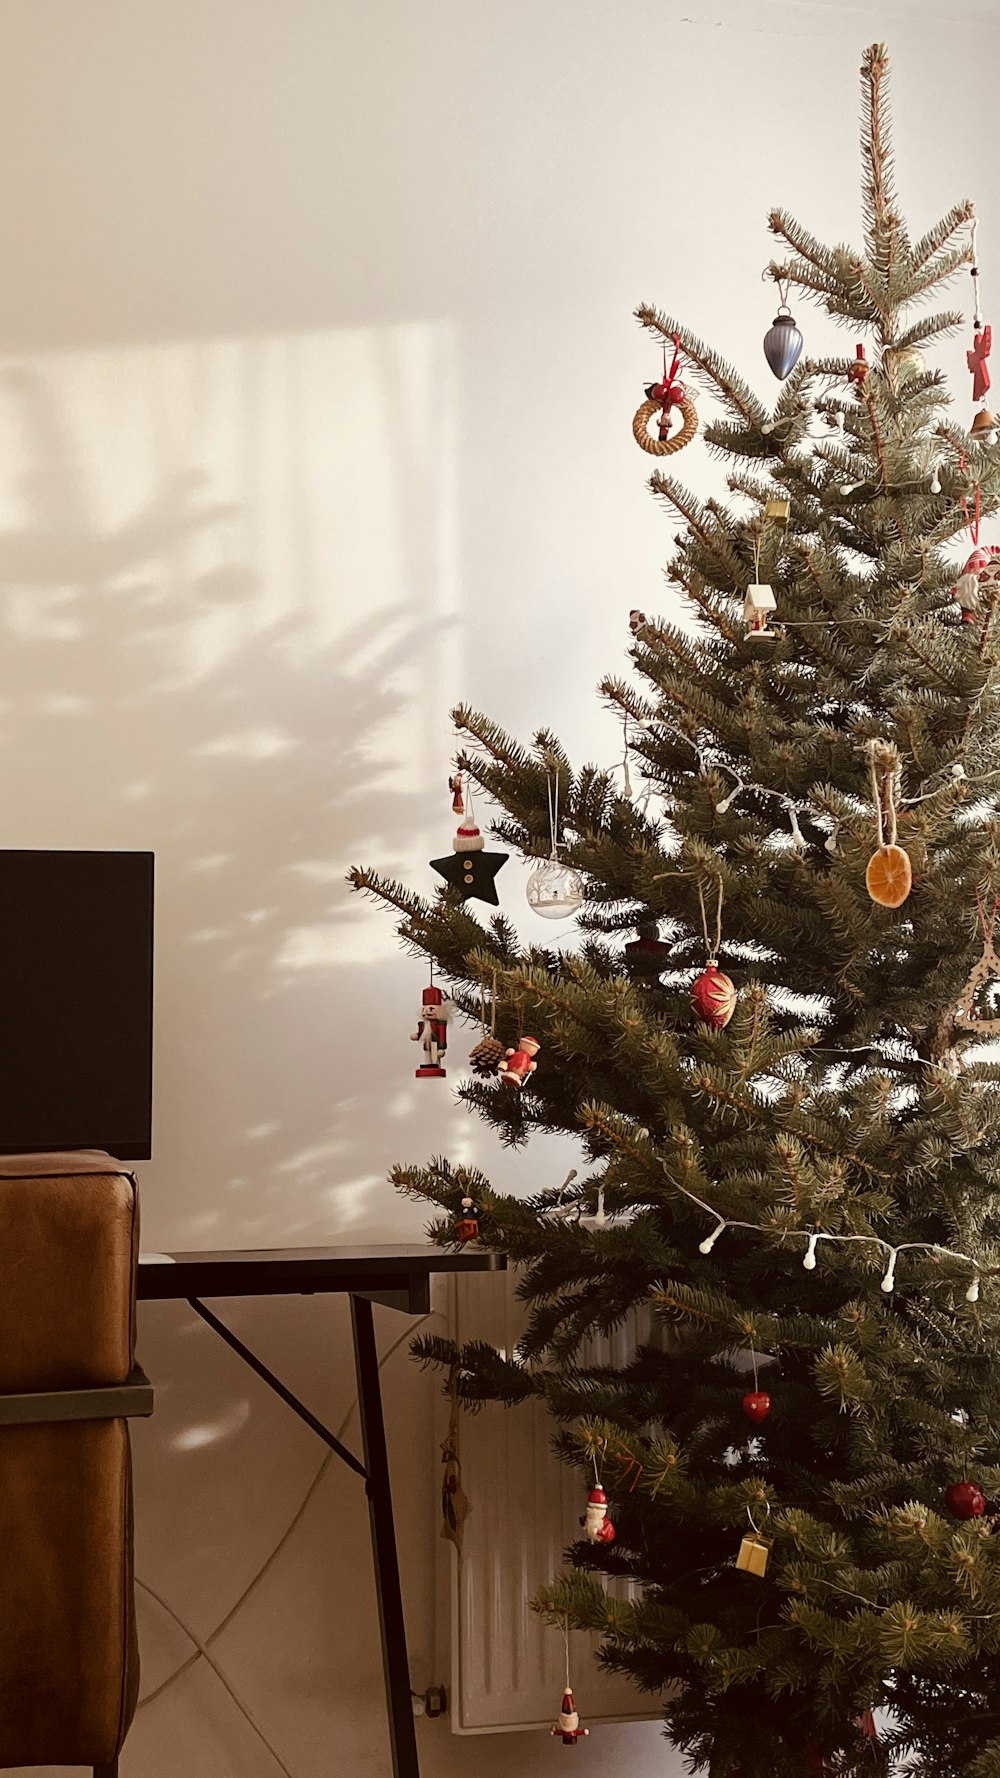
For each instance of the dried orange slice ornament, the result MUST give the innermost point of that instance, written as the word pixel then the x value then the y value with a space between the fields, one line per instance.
pixel 889 877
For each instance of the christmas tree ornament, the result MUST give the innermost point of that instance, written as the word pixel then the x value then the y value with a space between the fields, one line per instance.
pixel 455 1506
pixel 554 889
pixel 977 362
pixel 662 399
pixel 965 1501
pixel 432 1032
pixel 489 1050
pixel 472 870
pixel 984 427
pixel 518 1065
pixel 636 619
pixel 981 574
pixel 987 970
pixel 713 995
pixel 757 1402
pixel 648 954
pixel 757 1405
pixel 777 511
pixel 457 800
pixel 567 1729
pixel 904 362
pixel 753 1554
pixel 889 877
pixel 467 1225
pixel 782 341
pixel 759 601
pixel 596 1524
pixel 857 371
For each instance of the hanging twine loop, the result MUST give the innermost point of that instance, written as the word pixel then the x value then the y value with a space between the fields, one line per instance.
pixel 884 772
pixel 711 949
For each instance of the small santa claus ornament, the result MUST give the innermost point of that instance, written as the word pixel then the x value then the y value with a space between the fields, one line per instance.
pixel 519 1064
pixel 981 574
pixel 596 1524
pixel 568 1727
pixel 432 1031
pixel 714 996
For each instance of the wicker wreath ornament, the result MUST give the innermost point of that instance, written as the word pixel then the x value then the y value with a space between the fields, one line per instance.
pixel 662 446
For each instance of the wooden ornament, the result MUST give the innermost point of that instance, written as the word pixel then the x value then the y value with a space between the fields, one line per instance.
pixel 663 445
pixel 986 970
pixel 889 877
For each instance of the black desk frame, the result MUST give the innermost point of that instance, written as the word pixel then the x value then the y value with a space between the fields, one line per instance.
pixel 396 1277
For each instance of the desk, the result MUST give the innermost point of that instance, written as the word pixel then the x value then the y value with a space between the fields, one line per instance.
pixel 397 1277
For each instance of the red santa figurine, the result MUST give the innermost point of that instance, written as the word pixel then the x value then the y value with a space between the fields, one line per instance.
pixel 568 1727
pixel 467 1225
pixel 432 1030
pixel 595 1522
pixel 979 572
pixel 519 1064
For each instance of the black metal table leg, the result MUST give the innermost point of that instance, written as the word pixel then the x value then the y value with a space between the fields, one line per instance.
pixel 395 1664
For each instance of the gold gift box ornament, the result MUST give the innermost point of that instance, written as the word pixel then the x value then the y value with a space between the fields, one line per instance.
pixel 777 512
pixel 753 1554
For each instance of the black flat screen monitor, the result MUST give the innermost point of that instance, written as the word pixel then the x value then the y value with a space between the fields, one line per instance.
pixel 76 1002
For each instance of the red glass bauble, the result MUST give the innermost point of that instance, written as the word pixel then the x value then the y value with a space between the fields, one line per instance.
pixel 714 997
pixel 965 1500
pixel 757 1405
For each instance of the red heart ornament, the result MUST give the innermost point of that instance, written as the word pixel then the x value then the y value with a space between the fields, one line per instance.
pixel 757 1405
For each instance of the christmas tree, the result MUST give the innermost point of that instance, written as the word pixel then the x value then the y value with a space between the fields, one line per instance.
pixel 791 1127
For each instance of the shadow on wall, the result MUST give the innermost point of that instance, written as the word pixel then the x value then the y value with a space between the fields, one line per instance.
pixel 225 575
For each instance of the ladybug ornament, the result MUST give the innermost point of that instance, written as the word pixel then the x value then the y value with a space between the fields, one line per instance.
pixel 965 1501
pixel 713 996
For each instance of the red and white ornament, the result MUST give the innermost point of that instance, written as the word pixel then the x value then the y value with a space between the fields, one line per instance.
pixel 518 1065
pixel 980 574
pixel 965 1501
pixel 713 996
pixel 598 1528
pixel 432 1031
pixel 568 1729
pixel 457 799
pixel 759 602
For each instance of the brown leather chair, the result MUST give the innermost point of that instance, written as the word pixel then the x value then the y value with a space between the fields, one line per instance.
pixel 69 1668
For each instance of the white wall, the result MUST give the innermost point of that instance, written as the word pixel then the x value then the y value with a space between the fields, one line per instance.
pixel 314 415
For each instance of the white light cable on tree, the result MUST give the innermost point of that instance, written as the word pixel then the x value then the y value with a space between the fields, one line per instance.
pixel 813 1237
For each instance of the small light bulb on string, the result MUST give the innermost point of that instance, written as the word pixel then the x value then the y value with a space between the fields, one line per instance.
pixel 889 1281
pixel 710 1240
pixel 809 1263
pixel 972 1294
pixel 936 480
pixel 554 890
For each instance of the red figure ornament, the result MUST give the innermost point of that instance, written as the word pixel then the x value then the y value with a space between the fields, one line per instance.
pixel 467 1226
pixel 757 1405
pixel 976 361
pixel 519 1064
pixel 595 1521
pixel 568 1727
pixel 457 799
pixel 967 588
pixel 432 1029
pixel 965 1500
pixel 714 996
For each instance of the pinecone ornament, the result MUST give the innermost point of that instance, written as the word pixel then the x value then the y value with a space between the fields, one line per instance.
pixel 487 1053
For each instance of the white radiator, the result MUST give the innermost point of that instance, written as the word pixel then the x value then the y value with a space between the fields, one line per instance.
pixel 507 1667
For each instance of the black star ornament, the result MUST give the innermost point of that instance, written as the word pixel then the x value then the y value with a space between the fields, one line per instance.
pixel 472 874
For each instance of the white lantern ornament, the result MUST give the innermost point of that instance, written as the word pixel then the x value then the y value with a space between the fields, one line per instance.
pixel 554 889
pixel 760 600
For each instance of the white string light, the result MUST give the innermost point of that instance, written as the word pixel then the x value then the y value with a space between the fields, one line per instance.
pixel 813 1237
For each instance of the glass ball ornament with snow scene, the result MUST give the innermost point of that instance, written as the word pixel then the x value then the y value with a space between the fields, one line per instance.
pixel 554 890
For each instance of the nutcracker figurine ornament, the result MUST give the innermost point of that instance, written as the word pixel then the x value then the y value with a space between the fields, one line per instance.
pixel 432 1031
pixel 518 1065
